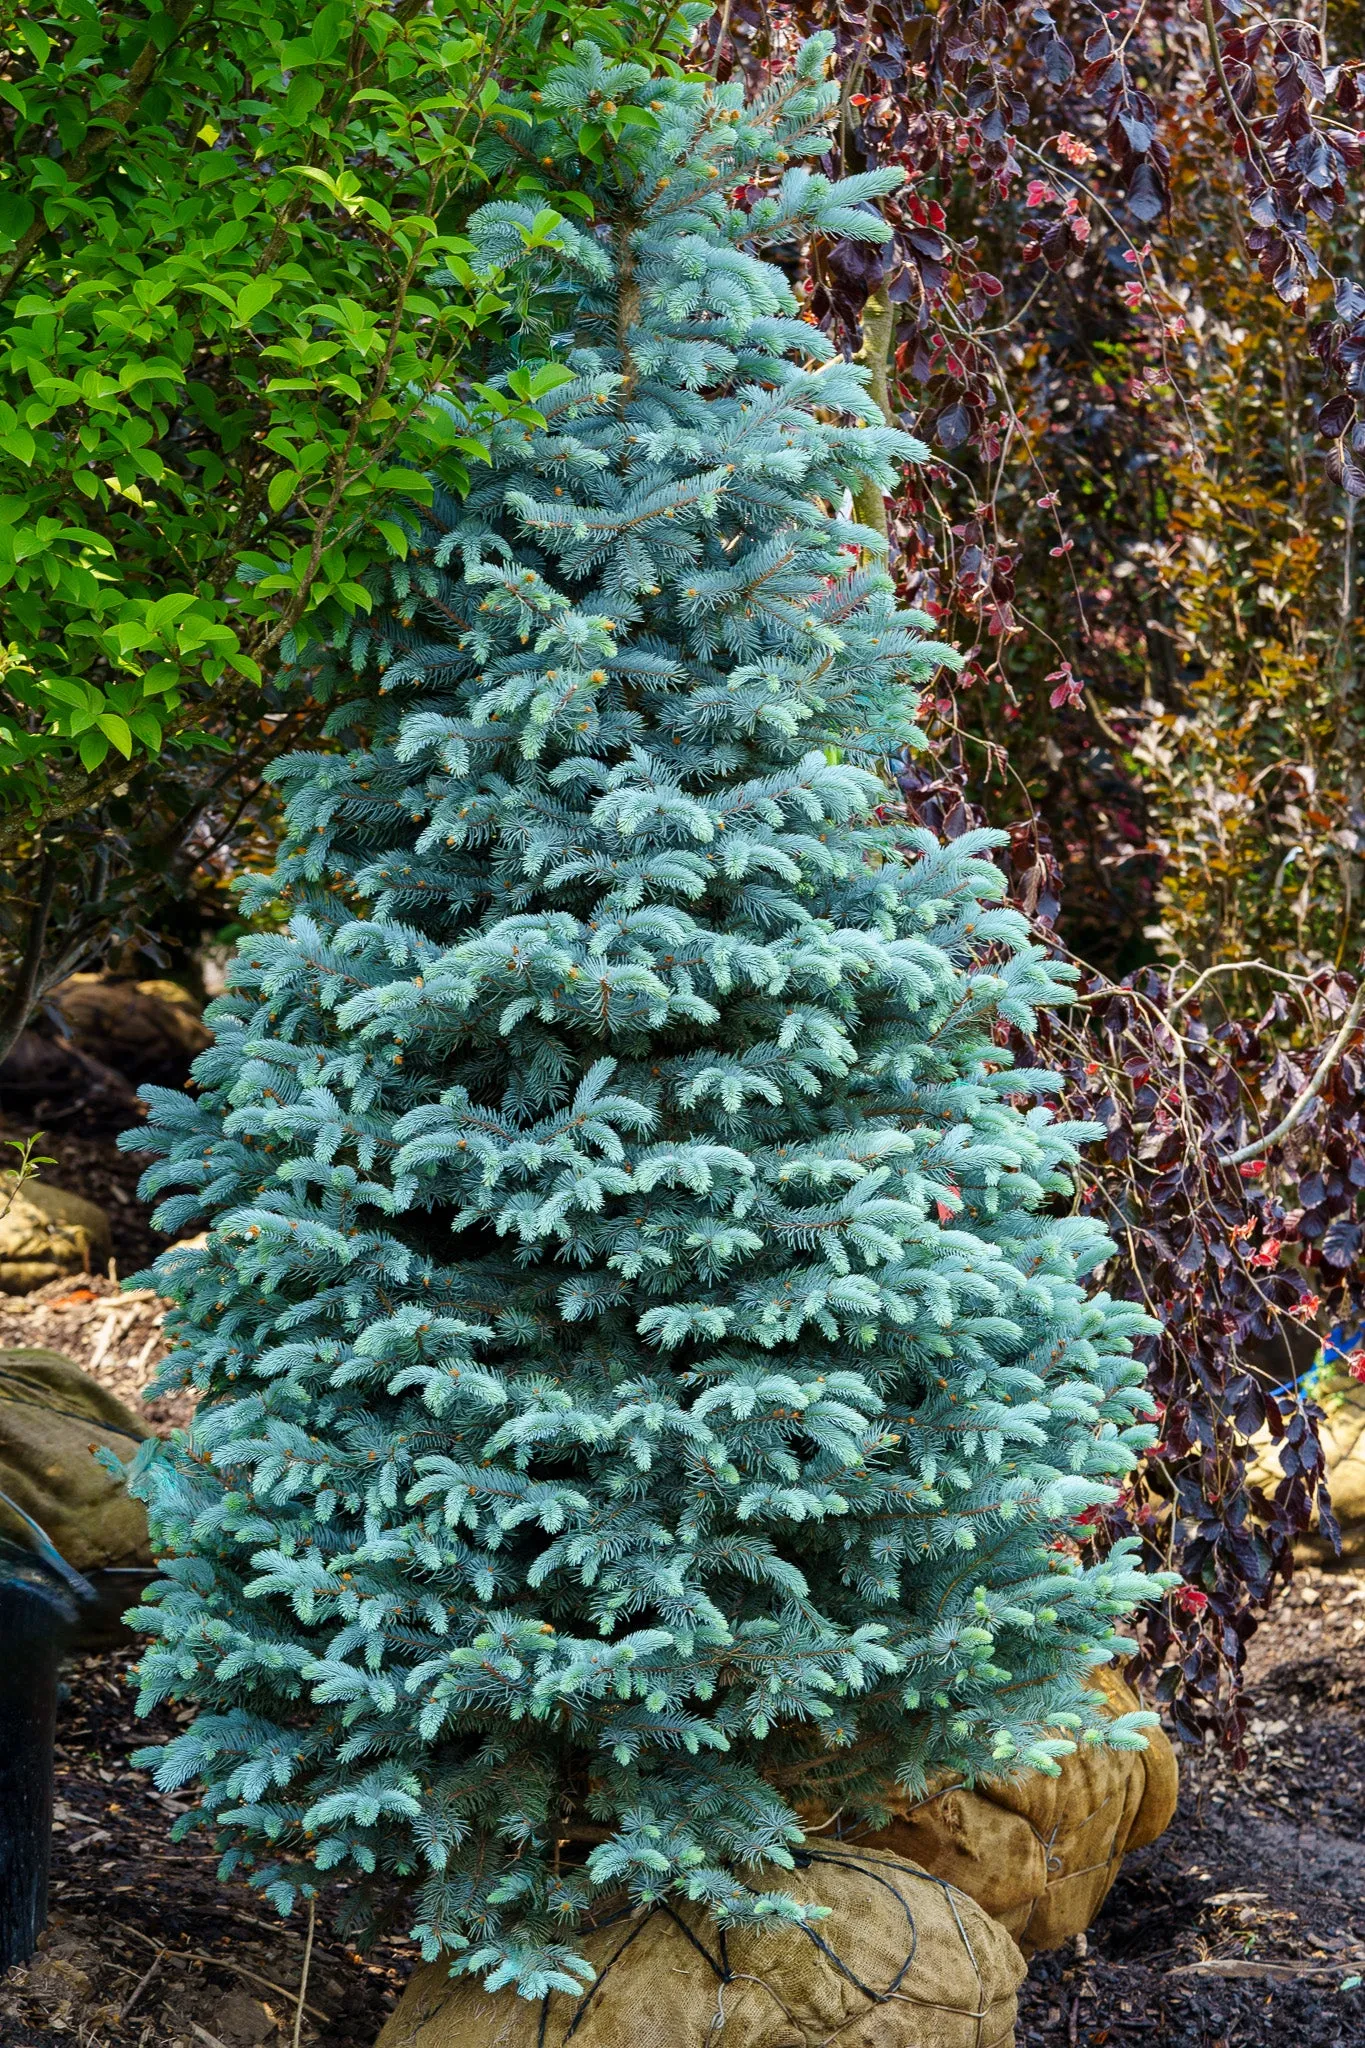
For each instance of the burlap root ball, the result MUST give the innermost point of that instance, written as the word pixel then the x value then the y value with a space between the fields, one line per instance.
pixel 902 1961
pixel 46 1234
pixel 1040 1853
pixel 52 1416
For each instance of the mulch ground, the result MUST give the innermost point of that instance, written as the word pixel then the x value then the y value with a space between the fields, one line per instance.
pixel 112 1334
pixel 144 1945
pixel 1244 1927
pixel 117 1337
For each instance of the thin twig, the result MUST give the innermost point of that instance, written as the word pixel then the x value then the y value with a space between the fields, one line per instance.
pixel 307 1965
pixel 1234 967
pixel 194 1955
pixel 1254 149
pixel 1299 1108
pixel 1244 1966
pixel 721 33
pixel 141 1985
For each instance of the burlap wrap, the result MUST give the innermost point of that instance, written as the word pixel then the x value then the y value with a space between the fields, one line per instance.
pixel 47 1233
pixel 52 1415
pixel 1040 1853
pixel 903 1961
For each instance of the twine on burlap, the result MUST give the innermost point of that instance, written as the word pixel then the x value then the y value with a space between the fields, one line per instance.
pixel 847 1859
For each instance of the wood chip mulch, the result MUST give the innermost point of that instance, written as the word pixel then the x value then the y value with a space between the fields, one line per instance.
pixel 145 1947
pixel 1244 1926
pixel 117 1337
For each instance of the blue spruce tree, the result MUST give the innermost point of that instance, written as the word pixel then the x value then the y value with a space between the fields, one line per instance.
pixel 643 1363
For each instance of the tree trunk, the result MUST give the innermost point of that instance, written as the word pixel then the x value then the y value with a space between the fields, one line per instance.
pixel 879 333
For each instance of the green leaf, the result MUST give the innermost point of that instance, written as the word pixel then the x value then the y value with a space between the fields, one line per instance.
pixel 165 609
pixel 147 727
pixel 37 39
pixel 92 748
pixel 254 297
pixel 134 339
pixel 19 443
pixel 305 90
pixel 116 729
pixel 198 737
pixel 534 380
pixel 395 536
pixel 328 184
pixel 410 482
pixel 68 692
pixel 17 214
pixel 576 202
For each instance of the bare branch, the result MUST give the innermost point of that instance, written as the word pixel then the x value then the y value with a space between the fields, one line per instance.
pixel 1303 1103
pixel 19 1004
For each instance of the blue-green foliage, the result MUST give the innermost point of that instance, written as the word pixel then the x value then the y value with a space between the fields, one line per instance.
pixel 643 1366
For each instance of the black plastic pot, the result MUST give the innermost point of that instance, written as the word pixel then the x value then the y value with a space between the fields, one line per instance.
pixel 41 1600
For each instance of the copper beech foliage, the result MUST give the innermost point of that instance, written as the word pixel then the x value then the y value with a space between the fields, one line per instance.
pixel 1038 344
pixel 957 88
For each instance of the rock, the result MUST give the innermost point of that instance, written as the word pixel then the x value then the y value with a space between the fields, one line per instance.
pixel 1343 1444
pixel 145 1030
pixel 242 2021
pixel 48 1083
pixel 1040 1853
pixel 1343 1439
pixel 47 1233
pixel 52 1416
pixel 903 1961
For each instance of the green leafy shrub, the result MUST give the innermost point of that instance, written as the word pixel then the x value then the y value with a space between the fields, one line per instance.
pixel 642 1366
pixel 231 279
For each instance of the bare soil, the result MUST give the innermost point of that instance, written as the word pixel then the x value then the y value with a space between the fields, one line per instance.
pixel 126 1900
